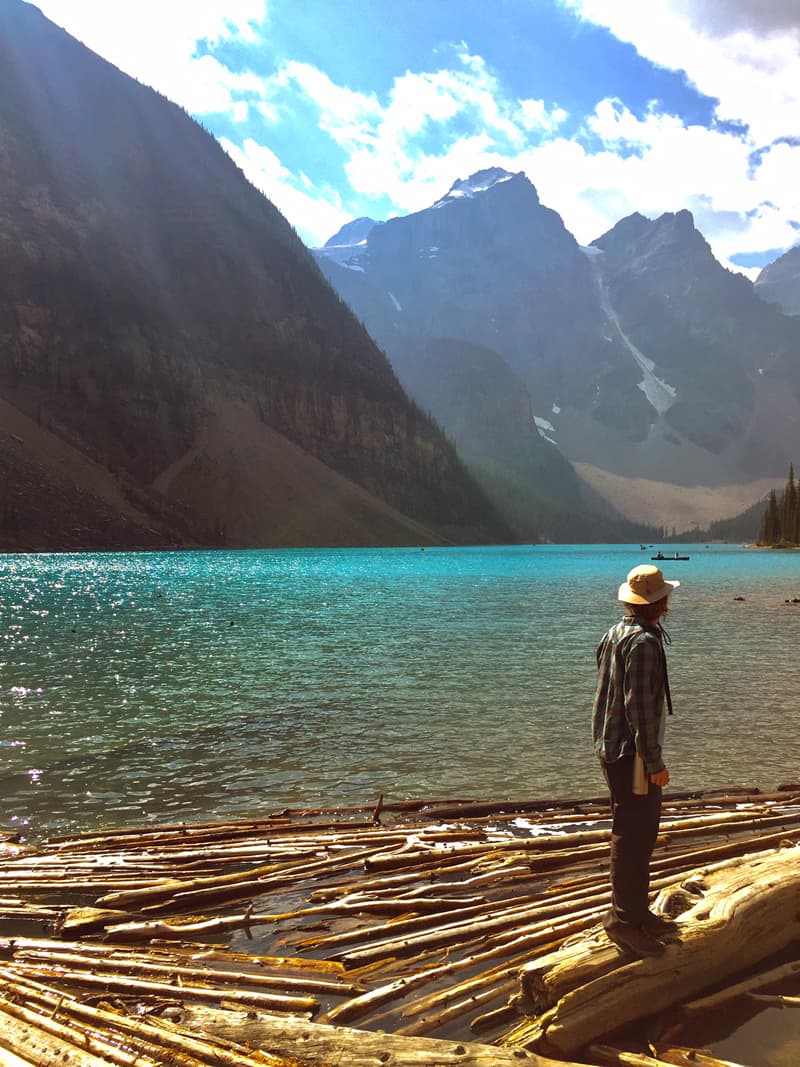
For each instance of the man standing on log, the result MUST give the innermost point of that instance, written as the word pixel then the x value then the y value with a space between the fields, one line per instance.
pixel 628 726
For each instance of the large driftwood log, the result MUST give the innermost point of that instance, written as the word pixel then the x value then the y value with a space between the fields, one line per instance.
pixel 732 915
pixel 315 1045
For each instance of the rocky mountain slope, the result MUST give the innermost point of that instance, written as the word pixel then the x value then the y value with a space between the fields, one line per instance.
pixel 173 367
pixel 779 282
pixel 640 360
pixel 487 309
pixel 725 375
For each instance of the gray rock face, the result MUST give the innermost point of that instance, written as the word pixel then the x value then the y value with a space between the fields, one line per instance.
pixel 639 355
pixel 722 351
pixel 488 308
pixel 352 233
pixel 779 283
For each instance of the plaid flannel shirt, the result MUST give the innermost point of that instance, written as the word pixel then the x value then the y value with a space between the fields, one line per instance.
pixel 629 701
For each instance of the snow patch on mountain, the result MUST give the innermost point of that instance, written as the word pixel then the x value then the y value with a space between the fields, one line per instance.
pixel 476 183
pixel 659 393
pixel 545 428
pixel 395 301
pixel 556 409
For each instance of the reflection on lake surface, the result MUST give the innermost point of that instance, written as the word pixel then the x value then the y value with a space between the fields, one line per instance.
pixel 191 685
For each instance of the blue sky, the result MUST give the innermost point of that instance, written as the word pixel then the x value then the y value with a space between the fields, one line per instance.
pixel 341 108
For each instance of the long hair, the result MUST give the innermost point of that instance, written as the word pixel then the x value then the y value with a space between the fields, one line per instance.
pixel 650 612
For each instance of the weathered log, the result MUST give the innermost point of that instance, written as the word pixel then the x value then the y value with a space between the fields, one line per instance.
pixel 692 1057
pixel 778 1000
pixel 78 921
pixel 52 1044
pixel 46 1008
pixel 100 965
pixel 11 1059
pixel 740 912
pixel 503 917
pixel 257 881
pixel 186 990
pixel 364 1004
pixel 318 1045
pixel 611 1057
pixel 396 930
pixel 456 1009
pixel 527 909
pixel 747 985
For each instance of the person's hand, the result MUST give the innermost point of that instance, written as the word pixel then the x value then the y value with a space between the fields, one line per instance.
pixel 660 778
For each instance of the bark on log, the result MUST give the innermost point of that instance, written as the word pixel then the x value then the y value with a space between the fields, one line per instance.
pixel 51 1044
pixel 735 915
pixel 318 1045
pixel 47 1008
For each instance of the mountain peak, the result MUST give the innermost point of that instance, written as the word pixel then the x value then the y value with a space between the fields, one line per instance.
pixel 352 233
pixel 669 229
pixel 478 182
pixel 678 223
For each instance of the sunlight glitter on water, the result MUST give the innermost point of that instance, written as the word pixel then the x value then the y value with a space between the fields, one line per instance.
pixel 197 685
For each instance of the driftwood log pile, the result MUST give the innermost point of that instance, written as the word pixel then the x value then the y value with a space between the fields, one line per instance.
pixel 447 932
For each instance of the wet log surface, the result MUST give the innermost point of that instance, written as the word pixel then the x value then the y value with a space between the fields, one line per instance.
pixel 730 915
pixel 266 941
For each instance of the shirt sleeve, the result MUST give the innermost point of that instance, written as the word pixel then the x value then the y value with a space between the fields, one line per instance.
pixel 644 700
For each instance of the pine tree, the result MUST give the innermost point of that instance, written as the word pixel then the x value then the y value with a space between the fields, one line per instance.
pixel 771 523
pixel 788 509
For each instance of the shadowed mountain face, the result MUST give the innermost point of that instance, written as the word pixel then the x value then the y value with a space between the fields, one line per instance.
pixel 487 308
pixel 779 283
pixel 161 322
pixel 726 364
pixel 639 358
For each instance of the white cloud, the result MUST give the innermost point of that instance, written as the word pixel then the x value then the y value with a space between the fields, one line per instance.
pixel 744 54
pixel 156 41
pixel 737 207
pixel 741 183
pixel 346 115
pixel 316 215
pixel 722 16
pixel 383 139
pixel 534 115
pixel 745 188
pixel 650 164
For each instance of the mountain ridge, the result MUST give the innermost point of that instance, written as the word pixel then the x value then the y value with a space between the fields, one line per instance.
pixel 147 286
pixel 645 357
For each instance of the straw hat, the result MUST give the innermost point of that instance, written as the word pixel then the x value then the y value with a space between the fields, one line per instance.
pixel 645 585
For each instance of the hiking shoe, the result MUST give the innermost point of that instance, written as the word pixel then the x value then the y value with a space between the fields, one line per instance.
pixel 634 938
pixel 659 925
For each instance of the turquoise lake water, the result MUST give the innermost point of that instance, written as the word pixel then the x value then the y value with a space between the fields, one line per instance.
pixel 192 685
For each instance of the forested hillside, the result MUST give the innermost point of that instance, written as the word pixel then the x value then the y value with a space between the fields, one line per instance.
pixel 162 325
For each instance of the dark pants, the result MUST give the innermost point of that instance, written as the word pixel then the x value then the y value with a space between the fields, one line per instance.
pixel 634 830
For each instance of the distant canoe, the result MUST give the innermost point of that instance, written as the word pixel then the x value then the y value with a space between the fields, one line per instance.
pixel 669 559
